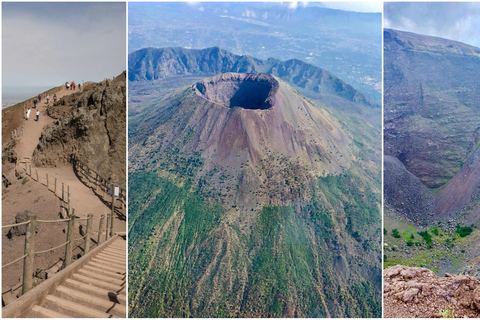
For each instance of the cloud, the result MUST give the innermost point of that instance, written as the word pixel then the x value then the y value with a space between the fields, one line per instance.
pixel 50 43
pixel 458 21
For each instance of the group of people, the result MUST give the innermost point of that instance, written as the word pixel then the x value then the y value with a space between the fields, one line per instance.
pixel 38 99
pixel 30 111
pixel 72 85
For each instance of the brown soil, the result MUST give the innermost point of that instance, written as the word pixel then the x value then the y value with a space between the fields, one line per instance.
pixel 418 293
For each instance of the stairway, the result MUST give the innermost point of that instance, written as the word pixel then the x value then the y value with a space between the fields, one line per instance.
pixel 96 290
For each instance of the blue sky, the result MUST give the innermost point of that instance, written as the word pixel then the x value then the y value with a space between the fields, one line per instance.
pixel 50 43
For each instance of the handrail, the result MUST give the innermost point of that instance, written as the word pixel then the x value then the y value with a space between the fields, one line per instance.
pixel 16 260
pixel 16 224
pixel 98 174
pixel 51 249
pixel 53 221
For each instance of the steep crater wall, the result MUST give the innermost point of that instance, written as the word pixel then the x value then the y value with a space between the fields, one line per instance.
pixel 248 91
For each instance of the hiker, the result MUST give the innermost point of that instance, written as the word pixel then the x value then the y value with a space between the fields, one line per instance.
pixel 28 114
pixel 67 85
pixel 79 87
pixel 54 97
pixel 35 103
pixel 38 114
pixel 39 98
pixel 48 98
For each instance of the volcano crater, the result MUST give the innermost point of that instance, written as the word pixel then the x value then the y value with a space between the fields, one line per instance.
pixel 244 90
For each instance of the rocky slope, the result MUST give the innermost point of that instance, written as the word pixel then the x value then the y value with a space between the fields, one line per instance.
pixel 93 130
pixel 419 293
pixel 248 200
pixel 405 192
pixel 432 113
pixel 153 63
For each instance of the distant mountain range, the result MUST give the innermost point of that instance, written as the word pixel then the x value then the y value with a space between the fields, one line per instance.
pixel 153 63
pixel 348 44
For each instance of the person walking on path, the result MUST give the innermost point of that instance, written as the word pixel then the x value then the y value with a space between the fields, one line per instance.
pixel 54 97
pixel 48 98
pixel 28 114
pixel 38 114
pixel 39 98
pixel 79 87
pixel 35 103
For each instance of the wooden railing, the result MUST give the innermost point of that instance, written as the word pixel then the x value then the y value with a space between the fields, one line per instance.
pixel 102 186
pixel 29 253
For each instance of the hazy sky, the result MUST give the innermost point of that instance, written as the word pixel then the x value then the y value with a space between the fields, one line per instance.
pixel 372 6
pixel 458 21
pixel 51 43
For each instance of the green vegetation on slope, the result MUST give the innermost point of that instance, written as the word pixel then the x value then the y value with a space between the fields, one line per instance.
pixel 440 248
pixel 187 261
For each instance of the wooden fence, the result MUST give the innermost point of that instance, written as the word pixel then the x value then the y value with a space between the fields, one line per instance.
pixel 29 253
pixel 102 187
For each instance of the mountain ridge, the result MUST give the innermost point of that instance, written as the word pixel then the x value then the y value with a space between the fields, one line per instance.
pixel 154 63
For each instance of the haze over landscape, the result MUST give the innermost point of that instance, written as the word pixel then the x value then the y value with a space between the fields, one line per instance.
pixel 325 37
pixel 47 44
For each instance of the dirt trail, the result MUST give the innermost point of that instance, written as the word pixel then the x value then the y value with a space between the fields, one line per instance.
pixel 33 129
pixel 83 198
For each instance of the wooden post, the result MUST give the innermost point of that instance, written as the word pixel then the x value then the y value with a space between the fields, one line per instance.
pixel 30 252
pixel 63 192
pixel 55 186
pixel 103 188
pixel 69 245
pixel 47 181
pixel 36 173
pixel 112 215
pixel 100 229
pixel 69 206
pixel 96 181
pixel 87 236
pixel 108 228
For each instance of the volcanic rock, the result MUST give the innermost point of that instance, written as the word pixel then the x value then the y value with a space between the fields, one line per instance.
pixel 93 131
pixel 411 292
